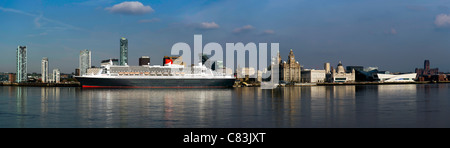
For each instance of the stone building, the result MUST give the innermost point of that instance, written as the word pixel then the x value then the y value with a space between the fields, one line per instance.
pixel 429 74
pixel 341 75
pixel 313 76
pixel 290 70
pixel 426 70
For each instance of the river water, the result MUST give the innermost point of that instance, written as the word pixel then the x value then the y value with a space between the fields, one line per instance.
pixel 407 105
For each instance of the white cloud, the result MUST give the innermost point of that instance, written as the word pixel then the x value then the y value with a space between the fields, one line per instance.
pixel 207 25
pixel 243 29
pixel 36 21
pixel 16 11
pixel 442 20
pixel 130 8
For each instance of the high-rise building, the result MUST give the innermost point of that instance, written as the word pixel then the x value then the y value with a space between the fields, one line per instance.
pixel 56 76
pixel 123 51
pixel 21 64
pixel 85 61
pixel 44 70
pixel 327 68
pixel 144 60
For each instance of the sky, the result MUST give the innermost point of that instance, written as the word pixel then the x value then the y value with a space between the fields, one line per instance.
pixel 396 36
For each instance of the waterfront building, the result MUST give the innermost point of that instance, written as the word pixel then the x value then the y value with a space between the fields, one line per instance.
pixel 427 70
pixel 144 60
pixel 366 74
pixel 85 61
pixel 341 75
pixel 56 76
pixel 50 78
pixel 44 70
pixel 356 68
pixel 397 78
pixel 21 64
pixel 313 76
pixel 77 72
pixel 3 77
pixel 11 77
pixel 33 77
pixel 123 51
pixel 428 74
pixel 245 72
pixel 289 71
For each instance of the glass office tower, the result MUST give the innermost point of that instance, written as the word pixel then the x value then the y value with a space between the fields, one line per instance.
pixel 123 51
pixel 85 61
pixel 21 64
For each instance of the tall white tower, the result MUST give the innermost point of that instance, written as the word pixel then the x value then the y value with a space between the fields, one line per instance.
pixel 56 75
pixel 44 70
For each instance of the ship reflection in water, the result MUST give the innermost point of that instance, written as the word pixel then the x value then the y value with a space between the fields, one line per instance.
pixel 315 106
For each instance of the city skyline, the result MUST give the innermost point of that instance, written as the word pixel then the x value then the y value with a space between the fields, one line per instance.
pixel 395 36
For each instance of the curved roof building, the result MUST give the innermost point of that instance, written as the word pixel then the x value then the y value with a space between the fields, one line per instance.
pixel 397 78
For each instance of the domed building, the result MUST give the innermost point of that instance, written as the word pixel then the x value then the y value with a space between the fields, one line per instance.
pixel 341 75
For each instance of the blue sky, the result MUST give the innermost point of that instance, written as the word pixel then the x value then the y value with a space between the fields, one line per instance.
pixel 393 35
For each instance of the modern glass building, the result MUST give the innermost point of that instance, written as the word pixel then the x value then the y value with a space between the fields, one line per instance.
pixel 44 70
pixel 85 61
pixel 123 51
pixel 21 64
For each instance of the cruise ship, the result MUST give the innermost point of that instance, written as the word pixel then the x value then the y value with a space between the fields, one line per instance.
pixel 167 76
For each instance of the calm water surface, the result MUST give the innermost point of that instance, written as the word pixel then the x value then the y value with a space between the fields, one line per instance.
pixel 425 105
